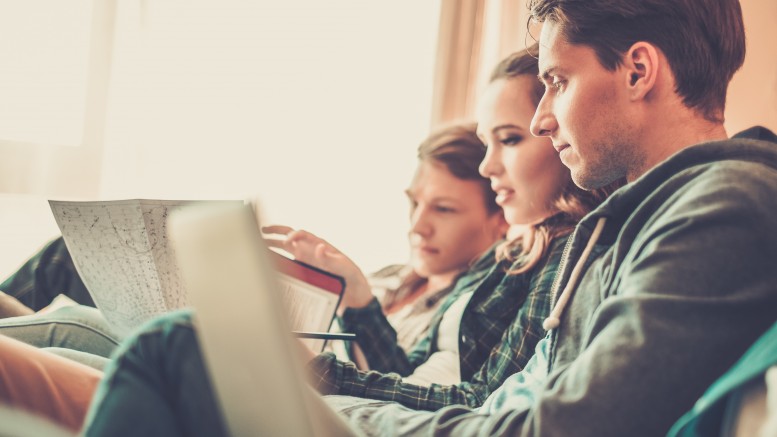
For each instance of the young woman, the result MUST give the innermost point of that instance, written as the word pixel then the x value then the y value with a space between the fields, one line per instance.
pixel 533 188
pixel 501 311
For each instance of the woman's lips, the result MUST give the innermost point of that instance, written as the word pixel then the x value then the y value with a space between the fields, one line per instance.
pixel 503 196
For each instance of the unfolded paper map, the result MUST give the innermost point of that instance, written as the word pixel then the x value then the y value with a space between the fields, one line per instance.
pixel 121 252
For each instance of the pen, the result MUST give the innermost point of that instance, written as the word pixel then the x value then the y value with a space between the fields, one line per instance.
pixel 325 335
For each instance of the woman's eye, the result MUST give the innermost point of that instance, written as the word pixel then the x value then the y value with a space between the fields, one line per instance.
pixel 444 209
pixel 511 140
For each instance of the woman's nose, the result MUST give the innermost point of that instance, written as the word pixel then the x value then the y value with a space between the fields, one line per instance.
pixel 489 165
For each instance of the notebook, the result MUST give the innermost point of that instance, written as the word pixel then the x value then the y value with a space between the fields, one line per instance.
pixel 248 349
pixel 310 297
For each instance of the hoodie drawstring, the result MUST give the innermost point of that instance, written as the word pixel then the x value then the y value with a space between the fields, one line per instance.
pixel 554 319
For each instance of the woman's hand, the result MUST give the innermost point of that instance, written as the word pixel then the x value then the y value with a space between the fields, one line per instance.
pixel 317 252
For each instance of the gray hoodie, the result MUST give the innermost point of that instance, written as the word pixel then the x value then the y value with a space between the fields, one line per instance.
pixel 687 280
pixel 680 281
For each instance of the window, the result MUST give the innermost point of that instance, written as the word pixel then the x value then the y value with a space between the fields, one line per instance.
pixel 44 45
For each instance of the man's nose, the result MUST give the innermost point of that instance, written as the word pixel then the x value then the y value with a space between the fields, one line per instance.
pixel 544 123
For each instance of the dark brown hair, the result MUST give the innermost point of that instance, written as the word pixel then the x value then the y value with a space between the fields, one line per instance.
pixel 572 204
pixel 703 40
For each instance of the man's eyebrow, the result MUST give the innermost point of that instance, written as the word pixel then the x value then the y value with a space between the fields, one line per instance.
pixel 444 198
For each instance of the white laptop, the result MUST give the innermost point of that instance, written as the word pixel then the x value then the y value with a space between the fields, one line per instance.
pixel 242 328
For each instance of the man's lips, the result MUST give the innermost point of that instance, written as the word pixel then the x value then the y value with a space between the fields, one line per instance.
pixel 560 147
pixel 427 249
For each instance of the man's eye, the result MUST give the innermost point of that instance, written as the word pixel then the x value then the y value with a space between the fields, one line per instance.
pixel 444 209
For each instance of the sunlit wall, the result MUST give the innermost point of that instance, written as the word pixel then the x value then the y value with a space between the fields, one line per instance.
pixel 315 108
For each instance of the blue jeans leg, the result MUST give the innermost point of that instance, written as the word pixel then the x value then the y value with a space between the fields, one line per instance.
pixel 45 275
pixel 80 328
pixel 157 385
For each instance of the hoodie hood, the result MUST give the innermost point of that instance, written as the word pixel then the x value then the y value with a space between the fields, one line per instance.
pixel 602 225
pixel 756 144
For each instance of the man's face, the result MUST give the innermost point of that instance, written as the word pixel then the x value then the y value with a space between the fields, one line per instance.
pixel 450 224
pixel 585 111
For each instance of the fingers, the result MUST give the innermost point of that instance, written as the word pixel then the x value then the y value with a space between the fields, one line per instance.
pixel 300 235
pixel 301 244
pixel 321 250
pixel 290 233
pixel 283 237
pixel 277 229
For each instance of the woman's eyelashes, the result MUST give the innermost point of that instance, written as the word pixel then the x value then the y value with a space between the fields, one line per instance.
pixel 511 140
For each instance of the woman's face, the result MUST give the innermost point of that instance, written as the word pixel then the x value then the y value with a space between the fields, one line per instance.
pixel 525 171
pixel 449 223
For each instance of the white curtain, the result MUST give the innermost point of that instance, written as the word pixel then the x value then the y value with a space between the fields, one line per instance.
pixel 752 95
pixel 316 108
pixel 37 161
pixel 474 36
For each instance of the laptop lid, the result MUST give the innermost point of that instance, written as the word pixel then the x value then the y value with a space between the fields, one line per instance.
pixel 242 328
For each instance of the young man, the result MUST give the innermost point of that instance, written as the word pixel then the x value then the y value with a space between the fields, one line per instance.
pixel 664 286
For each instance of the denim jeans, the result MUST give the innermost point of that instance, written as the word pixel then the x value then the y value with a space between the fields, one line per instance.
pixel 45 275
pixel 157 385
pixel 80 328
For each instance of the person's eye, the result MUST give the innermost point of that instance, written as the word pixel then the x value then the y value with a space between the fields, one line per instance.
pixel 444 209
pixel 558 84
pixel 511 140
pixel 554 84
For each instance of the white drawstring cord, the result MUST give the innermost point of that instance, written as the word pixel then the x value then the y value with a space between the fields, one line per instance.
pixel 554 319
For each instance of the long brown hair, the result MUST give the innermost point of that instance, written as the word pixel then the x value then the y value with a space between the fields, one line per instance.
pixel 572 204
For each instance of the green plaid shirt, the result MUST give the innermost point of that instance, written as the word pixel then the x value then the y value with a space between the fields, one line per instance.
pixel 499 329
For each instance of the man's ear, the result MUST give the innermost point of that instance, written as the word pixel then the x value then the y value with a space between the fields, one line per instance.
pixel 641 66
